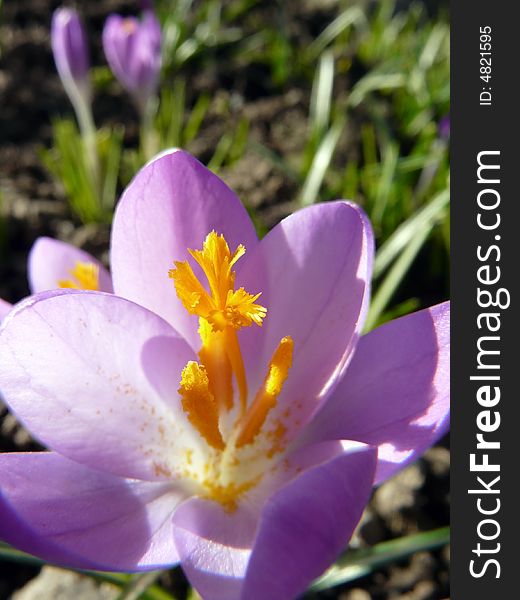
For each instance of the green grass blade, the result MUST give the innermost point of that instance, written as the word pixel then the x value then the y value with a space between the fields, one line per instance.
pixel 141 584
pixel 375 82
pixel 320 163
pixel 196 117
pixel 433 46
pixel 352 16
pixel 178 101
pixel 321 96
pixel 221 151
pixel 403 235
pixel 170 116
pixel 240 138
pixel 357 563
pixel 67 163
pixel 395 276
pixel 111 164
pixel 384 187
pixel 13 555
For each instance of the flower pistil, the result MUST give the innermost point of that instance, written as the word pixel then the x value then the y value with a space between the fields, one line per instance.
pixel 206 387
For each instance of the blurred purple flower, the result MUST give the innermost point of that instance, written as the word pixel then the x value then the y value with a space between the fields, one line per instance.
pixel 69 47
pixel 5 307
pixel 444 127
pixel 183 432
pixel 55 264
pixel 133 51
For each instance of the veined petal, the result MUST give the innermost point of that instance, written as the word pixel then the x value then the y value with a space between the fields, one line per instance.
pixel 170 206
pixel 95 377
pixel 5 307
pixel 274 549
pixel 313 270
pixel 67 513
pixel 301 532
pixel 51 261
pixel 117 46
pixel 396 391
pixel 214 546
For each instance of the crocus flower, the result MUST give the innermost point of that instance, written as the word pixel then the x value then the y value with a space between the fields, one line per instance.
pixel 133 51
pixel 55 264
pixel 221 409
pixel 69 47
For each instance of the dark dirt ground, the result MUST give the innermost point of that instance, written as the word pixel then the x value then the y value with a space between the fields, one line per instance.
pixel 33 205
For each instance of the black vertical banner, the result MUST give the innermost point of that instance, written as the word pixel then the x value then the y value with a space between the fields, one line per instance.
pixel 485 201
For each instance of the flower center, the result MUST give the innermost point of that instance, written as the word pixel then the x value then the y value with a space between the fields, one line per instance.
pixel 85 276
pixel 129 26
pixel 231 427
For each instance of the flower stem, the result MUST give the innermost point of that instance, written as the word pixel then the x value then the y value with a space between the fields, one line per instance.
pixel 149 142
pixel 83 111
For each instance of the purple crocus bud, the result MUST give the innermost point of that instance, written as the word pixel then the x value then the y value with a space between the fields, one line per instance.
pixel 444 127
pixel 133 51
pixel 221 409
pixel 69 46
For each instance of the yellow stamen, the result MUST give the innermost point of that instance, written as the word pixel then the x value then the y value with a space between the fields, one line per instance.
pixel 199 403
pixel 268 394
pixel 223 307
pixel 85 276
pixel 237 364
pixel 228 495
pixel 213 356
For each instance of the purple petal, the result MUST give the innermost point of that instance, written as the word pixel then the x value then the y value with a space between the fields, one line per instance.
pixel 52 260
pixel 69 45
pixel 133 51
pixel 291 464
pixel 118 34
pixel 170 206
pixel 396 391
pixel 313 270
pixel 64 512
pixel 214 546
pixel 306 525
pixel 145 60
pixel 75 366
pixel 5 307
pixel 275 553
